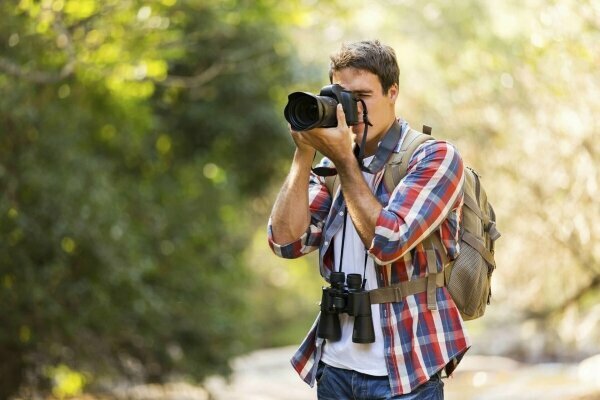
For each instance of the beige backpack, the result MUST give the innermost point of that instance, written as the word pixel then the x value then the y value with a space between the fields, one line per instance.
pixel 468 276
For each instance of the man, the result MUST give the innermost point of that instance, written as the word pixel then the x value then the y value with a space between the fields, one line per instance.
pixel 413 342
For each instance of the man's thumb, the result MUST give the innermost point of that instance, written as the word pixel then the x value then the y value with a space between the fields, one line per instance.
pixel 341 116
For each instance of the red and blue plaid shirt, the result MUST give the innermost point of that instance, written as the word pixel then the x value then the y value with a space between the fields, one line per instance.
pixel 418 342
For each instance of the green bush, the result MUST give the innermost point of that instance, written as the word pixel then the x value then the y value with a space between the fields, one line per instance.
pixel 133 135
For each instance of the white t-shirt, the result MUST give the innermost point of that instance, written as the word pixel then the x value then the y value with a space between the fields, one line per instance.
pixel 367 358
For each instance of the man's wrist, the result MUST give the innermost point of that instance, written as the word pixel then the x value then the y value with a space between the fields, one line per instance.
pixel 346 164
pixel 304 153
pixel 303 158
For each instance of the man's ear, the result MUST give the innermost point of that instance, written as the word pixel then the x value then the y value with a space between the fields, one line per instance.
pixel 392 93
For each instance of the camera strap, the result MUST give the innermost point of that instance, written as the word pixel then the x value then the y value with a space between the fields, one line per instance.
pixel 343 238
pixel 364 281
pixel 384 150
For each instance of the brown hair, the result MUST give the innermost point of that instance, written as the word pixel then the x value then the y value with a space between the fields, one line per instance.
pixel 368 55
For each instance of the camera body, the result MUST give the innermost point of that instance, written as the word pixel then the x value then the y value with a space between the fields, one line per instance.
pixel 346 296
pixel 305 111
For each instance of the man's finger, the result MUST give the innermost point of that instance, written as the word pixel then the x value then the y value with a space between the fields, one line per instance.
pixel 341 116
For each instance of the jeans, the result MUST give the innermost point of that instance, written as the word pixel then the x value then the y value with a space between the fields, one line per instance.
pixel 342 384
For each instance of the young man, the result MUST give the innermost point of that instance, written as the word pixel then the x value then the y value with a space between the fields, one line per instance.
pixel 413 342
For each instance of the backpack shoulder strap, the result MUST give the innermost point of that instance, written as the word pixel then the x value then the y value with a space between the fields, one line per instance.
pixel 397 166
pixel 396 169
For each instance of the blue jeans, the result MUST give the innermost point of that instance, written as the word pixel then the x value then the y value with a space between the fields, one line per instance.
pixel 342 384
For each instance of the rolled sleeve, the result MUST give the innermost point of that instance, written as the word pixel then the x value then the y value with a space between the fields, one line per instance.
pixel 319 205
pixel 306 243
pixel 420 202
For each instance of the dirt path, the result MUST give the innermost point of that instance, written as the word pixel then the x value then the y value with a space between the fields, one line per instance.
pixel 267 375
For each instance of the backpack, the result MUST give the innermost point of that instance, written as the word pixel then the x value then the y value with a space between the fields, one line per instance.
pixel 468 276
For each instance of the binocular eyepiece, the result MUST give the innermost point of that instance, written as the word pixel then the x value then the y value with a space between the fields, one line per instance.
pixel 346 296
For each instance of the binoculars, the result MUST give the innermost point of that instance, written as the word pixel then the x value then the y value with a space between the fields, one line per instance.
pixel 346 296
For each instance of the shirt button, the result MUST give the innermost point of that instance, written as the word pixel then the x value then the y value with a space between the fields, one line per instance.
pixel 326 243
pixel 341 213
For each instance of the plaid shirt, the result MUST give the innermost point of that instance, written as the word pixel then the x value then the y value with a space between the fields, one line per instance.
pixel 418 342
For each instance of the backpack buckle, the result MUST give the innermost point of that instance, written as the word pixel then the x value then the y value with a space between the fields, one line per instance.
pixel 398 294
pixel 492 231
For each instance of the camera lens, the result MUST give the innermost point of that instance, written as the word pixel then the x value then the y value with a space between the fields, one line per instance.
pixel 305 111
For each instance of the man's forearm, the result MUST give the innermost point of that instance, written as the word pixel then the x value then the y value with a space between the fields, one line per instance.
pixel 291 215
pixel 362 205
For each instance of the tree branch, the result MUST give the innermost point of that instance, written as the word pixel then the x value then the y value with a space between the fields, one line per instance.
pixel 238 62
pixel 45 77
pixel 574 299
pixel 197 80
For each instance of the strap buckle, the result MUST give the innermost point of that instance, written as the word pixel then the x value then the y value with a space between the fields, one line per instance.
pixel 397 290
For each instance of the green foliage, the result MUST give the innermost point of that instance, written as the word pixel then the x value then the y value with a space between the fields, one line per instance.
pixel 132 136
pixel 287 302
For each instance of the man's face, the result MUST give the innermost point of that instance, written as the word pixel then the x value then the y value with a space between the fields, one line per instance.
pixel 380 106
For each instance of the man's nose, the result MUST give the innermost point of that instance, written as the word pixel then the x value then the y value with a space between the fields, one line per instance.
pixel 360 109
pixel 360 106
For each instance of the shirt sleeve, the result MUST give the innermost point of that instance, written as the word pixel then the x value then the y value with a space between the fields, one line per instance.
pixel 431 189
pixel 319 200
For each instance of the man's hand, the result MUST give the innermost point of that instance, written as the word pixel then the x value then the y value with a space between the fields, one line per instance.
pixel 334 143
pixel 300 138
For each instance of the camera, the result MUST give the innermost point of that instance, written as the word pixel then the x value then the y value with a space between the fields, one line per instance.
pixel 346 297
pixel 306 111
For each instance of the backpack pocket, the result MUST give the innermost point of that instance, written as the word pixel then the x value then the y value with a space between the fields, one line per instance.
pixel 469 282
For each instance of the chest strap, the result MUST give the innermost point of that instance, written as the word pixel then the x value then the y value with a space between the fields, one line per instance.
pixel 397 293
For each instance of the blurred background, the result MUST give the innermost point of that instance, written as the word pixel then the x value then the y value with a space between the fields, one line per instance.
pixel 142 144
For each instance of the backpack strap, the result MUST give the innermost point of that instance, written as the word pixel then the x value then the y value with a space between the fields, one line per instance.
pixel 397 166
pixel 429 284
pixel 396 170
pixel 396 293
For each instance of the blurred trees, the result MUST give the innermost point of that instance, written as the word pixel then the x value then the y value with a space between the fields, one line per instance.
pixel 518 94
pixel 132 136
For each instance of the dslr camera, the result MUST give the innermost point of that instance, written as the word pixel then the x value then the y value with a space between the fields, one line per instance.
pixel 346 297
pixel 306 111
